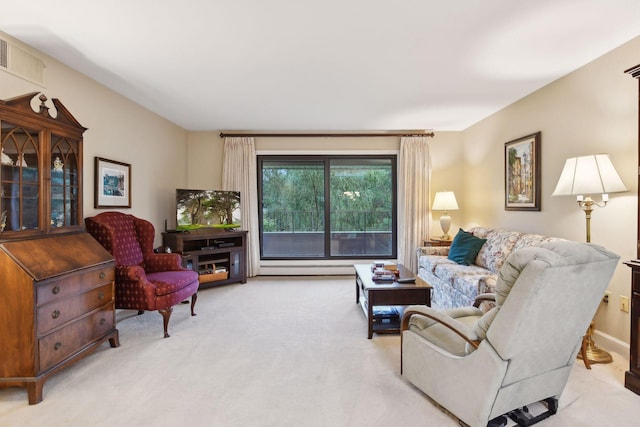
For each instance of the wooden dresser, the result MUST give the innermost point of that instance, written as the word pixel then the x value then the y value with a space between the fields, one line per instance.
pixel 56 306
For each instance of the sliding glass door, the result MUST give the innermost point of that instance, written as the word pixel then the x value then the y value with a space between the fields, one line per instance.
pixel 327 207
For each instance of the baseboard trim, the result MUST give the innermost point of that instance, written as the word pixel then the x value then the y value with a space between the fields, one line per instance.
pixel 611 344
pixel 290 270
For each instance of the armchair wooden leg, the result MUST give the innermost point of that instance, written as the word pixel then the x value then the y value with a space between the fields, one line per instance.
pixel 194 298
pixel 166 314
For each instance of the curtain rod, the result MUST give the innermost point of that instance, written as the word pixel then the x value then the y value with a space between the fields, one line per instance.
pixel 327 135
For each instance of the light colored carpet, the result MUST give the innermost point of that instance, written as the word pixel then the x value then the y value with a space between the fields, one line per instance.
pixel 277 351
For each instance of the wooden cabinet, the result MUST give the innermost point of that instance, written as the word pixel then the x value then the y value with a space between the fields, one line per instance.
pixel 632 376
pixel 219 257
pixel 56 306
pixel 56 281
pixel 40 169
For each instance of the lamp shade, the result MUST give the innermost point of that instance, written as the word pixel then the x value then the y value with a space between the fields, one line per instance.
pixel 586 175
pixel 444 201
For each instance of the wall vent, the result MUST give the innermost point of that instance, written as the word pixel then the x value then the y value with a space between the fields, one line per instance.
pixel 20 62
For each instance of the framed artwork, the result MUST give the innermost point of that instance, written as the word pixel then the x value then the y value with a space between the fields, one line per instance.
pixel 522 173
pixel 112 184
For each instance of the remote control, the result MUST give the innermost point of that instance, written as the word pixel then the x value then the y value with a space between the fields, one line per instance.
pixel 406 280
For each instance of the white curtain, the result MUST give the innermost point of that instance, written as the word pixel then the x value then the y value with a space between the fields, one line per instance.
pixel 239 173
pixel 414 173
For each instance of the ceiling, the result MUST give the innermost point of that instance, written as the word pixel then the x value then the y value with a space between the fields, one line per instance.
pixel 332 65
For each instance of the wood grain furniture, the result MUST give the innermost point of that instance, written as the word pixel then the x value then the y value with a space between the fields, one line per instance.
pixel 632 376
pixel 56 281
pixel 145 280
pixel 437 242
pixel 56 307
pixel 206 251
pixel 371 294
pixel 41 169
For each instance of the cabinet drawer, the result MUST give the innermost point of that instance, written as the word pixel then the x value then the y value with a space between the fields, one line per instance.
pixel 62 343
pixel 63 310
pixel 74 283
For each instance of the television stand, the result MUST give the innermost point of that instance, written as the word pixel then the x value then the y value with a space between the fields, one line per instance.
pixel 219 257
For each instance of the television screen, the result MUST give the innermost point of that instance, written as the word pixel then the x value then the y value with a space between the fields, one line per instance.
pixel 197 209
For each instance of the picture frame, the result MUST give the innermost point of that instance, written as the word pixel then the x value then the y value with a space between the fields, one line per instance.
pixel 112 184
pixel 522 173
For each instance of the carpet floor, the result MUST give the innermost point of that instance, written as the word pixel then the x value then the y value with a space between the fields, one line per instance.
pixel 277 351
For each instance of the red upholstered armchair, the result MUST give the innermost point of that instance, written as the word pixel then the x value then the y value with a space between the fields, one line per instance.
pixel 144 280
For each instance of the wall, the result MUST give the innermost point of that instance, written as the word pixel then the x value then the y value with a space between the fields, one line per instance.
pixel 592 110
pixel 120 130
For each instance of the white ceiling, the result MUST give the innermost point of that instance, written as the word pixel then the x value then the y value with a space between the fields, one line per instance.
pixel 309 65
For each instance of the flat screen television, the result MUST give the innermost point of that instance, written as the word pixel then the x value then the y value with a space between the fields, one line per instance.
pixel 207 209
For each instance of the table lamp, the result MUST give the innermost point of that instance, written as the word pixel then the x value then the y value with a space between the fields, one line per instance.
pixel 445 201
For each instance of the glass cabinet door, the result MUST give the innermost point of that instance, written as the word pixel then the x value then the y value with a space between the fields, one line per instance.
pixel 64 181
pixel 20 180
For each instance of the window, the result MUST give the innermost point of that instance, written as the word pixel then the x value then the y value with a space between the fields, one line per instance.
pixel 323 207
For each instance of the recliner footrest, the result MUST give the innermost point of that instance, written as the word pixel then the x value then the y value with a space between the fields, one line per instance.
pixel 524 418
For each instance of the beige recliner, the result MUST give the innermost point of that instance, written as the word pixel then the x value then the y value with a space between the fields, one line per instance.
pixel 479 366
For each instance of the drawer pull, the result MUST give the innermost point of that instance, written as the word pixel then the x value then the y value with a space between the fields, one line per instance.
pixel 57 345
pixel 103 321
pixel 56 290
pixel 55 314
pixel 102 275
pixel 101 295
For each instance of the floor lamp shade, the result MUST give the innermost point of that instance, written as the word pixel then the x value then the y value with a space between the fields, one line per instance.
pixel 445 201
pixel 588 175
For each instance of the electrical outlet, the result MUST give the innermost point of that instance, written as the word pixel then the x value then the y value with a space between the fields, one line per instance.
pixel 624 303
pixel 606 297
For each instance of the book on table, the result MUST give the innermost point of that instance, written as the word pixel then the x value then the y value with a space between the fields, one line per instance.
pixel 386 312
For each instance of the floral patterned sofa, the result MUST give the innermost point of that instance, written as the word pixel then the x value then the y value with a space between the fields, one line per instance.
pixel 456 285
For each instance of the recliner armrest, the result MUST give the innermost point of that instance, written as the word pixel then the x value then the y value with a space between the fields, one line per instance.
pixel 445 318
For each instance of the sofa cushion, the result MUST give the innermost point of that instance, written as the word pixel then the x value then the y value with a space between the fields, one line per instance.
pixel 431 262
pixel 499 245
pixel 449 271
pixel 465 248
pixel 533 240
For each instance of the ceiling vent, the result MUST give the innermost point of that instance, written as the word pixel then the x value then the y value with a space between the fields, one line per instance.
pixel 20 62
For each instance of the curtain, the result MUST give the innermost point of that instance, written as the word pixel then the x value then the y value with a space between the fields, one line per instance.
pixel 239 173
pixel 414 171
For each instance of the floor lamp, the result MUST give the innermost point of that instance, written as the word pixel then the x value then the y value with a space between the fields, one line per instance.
pixel 583 177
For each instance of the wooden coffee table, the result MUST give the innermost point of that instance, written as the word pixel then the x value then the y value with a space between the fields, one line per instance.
pixel 370 294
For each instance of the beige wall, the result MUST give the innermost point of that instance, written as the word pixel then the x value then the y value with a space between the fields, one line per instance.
pixel 120 130
pixel 592 110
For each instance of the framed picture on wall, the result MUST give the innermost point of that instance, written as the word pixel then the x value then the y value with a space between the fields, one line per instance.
pixel 112 184
pixel 522 173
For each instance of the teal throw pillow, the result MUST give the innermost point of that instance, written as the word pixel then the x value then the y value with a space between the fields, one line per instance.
pixel 465 248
